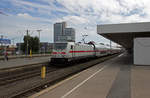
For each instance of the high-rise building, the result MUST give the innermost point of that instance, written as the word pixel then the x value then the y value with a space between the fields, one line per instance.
pixel 64 25
pixel 69 34
pixel 59 30
pixel 63 34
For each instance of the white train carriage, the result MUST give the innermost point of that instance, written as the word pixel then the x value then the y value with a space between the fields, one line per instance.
pixel 101 50
pixel 79 51
pixel 116 50
pixel 109 50
pixel 71 51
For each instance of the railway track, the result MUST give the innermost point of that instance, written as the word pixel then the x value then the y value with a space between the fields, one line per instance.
pixel 24 84
pixel 24 75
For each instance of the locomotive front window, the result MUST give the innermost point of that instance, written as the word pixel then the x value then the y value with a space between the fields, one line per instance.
pixel 60 45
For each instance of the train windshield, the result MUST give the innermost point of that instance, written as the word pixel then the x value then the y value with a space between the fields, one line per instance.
pixel 60 45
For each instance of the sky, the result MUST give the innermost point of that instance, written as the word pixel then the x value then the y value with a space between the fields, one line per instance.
pixel 16 16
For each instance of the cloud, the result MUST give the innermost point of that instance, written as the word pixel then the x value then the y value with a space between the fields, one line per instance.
pixel 88 9
pixel 29 17
pixel 73 20
pixel 16 26
pixel 79 14
pixel 25 15
pixel 93 10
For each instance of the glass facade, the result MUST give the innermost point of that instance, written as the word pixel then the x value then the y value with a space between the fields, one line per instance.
pixel 63 34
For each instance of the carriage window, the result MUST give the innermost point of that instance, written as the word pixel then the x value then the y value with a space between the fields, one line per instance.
pixel 60 45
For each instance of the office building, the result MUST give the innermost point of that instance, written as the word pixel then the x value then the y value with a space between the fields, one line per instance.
pixel 63 34
pixel 69 34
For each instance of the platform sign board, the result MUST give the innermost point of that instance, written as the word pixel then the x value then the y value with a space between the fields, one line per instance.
pixel 5 41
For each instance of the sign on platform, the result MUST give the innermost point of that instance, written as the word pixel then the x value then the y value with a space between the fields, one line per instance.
pixel 5 41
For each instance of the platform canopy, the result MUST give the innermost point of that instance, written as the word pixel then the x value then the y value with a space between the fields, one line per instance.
pixel 124 33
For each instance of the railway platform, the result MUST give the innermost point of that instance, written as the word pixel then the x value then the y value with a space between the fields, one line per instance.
pixel 22 62
pixel 114 78
pixel 24 56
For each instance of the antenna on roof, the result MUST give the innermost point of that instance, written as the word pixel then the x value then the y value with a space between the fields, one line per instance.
pixel 83 38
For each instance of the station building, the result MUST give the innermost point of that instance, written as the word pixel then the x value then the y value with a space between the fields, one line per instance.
pixel 134 37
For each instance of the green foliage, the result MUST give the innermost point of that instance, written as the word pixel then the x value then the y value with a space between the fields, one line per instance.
pixel 33 44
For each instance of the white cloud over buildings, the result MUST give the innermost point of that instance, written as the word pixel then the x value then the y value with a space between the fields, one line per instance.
pixel 79 14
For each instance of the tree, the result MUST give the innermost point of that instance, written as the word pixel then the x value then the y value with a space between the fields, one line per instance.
pixel 36 44
pixel 33 44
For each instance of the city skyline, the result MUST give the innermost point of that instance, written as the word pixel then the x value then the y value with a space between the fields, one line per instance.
pixel 19 15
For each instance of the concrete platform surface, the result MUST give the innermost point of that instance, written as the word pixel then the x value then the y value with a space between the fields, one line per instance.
pixel 22 61
pixel 115 78
pixel 24 56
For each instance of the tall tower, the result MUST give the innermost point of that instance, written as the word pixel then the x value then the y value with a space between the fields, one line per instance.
pixel 59 31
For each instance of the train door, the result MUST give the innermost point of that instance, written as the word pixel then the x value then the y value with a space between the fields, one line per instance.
pixel 73 49
pixel 95 50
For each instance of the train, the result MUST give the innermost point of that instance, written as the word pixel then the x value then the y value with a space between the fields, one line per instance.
pixel 71 51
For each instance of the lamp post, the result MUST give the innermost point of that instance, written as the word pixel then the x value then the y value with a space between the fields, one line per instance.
pixel 27 41
pixel 39 39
